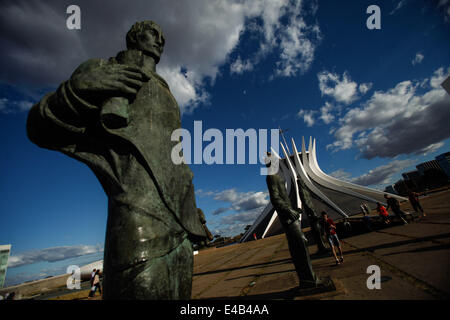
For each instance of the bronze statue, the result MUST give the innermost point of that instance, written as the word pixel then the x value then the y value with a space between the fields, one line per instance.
pixel 289 219
pixel 313 218
pixel 117 116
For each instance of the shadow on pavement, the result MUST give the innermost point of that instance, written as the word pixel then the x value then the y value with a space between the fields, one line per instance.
pixel 275 262
pixel 398 243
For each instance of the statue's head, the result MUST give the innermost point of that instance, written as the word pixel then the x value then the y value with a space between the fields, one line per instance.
pixel 147 37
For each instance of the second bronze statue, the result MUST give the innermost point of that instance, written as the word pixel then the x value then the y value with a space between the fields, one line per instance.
pixel 289 218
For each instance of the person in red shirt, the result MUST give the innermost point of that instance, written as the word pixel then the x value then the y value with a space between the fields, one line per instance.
pixel 331 235
pixel 383 213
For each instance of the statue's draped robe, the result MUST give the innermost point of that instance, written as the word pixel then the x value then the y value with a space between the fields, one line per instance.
pixel 151 201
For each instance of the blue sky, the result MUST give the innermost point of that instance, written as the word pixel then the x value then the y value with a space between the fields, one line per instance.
pixel 371 98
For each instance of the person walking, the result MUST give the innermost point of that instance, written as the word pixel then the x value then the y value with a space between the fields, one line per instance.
pixel 383 213
pixel 395 206
pixel 96 282
pixel 92 277
pixel 364 209
pixel 331 235
pixel 414 200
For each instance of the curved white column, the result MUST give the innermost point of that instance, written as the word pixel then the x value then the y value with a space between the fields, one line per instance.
pixel 255 224
pixel 272 220
pixel 303 175
pixel 374 193
pixel 323 181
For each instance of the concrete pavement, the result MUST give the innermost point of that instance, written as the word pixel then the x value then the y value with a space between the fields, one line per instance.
pixel 414 261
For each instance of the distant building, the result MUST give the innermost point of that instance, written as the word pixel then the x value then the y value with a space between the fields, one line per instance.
pixel 401 187
pixel 444 162
pixel 4 256
pixel 432 164
pixel 413 179
pixel 433 174
pixel 411 175
pixel 430 174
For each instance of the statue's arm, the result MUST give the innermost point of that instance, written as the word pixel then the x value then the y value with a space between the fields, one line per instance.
pixel 61 117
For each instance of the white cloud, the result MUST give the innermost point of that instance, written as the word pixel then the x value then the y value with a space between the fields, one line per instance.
pixel 240 201
pixel 293 40
pixel 308 116
pixel 188 91
pixel 247 206
pixel 297 42
pixel 229 195
pixel 202 193
pixel 239 66
pixel 234 224
pixel 52 254
pixel 381 175
pixel 7 106
pixel 200 35
pixel 242 217
pixel 417 59
pixel 341 174
pixel 341 88
pixel 430 149
pixel 364 87
pixel 325 113
pixel 400 120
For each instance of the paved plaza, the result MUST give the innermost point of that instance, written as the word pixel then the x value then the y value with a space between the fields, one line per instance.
pixel 414 260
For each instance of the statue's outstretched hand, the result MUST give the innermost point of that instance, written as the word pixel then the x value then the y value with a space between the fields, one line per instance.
pixel 107 80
